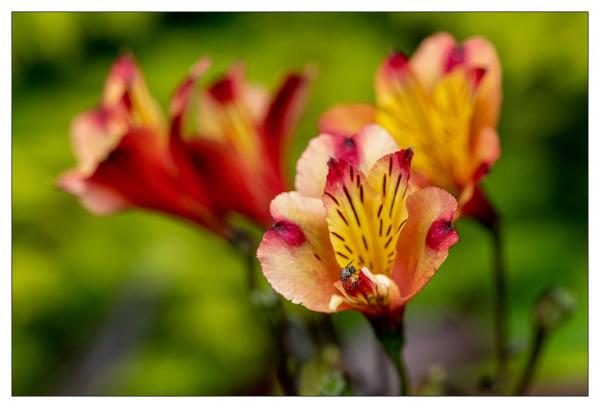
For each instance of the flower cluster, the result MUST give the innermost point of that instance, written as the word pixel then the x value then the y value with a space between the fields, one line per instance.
pixel 359 232
pixel 371 217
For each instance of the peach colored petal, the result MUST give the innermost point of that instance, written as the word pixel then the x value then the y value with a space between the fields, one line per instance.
pixel 486 150
pixel 429 60
pixel 97 199
pixel 480 53
pixel 94 135
pixel 362 151
pixel 347 119
pixel 424 241
pixel 392 75
pixel 296 255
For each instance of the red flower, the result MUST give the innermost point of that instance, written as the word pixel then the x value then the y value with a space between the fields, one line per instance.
pixel 219 153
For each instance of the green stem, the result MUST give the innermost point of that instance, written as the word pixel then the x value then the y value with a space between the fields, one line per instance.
pixel 243 243
pixel 390 333
pixel 500 302
pixel 274 312
pixel 277 324
pixel 536 346
pixel 481 209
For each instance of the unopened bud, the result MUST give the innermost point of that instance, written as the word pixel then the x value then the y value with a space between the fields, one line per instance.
pixel 553 308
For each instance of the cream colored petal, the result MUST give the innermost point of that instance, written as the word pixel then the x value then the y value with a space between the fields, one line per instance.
pixel 373 143
pixel 296 255
pixel 429 60
pixel 311 169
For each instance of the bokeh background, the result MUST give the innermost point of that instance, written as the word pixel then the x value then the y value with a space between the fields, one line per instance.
pixel 138 303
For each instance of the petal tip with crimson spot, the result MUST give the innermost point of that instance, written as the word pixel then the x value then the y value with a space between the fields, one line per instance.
pixel 441 235
pixel 397 61
pixel 289 232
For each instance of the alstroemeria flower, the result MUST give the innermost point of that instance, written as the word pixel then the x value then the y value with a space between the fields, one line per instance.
pixel 353 235
pixel 445 103
pixel 130 156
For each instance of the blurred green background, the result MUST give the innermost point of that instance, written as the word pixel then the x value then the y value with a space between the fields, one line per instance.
pixel 137 303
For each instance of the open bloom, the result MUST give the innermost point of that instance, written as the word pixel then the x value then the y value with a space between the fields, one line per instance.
pixel 353 235
pixel 445 103
pixel 129 155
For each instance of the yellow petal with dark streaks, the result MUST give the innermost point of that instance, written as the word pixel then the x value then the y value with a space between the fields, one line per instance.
pixel 389 179
pixel 365 214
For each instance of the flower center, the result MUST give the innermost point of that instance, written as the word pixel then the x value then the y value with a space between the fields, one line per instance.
pixel 361 288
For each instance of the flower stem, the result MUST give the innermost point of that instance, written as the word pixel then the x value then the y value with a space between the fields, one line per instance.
pixel 553 308
pixel 277 324
pixel 500 302
pixel 536 346
pixel 272 308
pixel 482 210
pixel 390 333
pixel 243 243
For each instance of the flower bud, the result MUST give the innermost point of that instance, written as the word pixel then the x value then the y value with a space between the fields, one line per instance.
pixel 553 308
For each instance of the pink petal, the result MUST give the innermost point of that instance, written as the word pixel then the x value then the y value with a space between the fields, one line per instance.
pixel 296 255
pixel 94 135
pixel 480 53
pixel 486 151
pixel 347 119
pixel 431 59
pixel 361 150
pixel 96 198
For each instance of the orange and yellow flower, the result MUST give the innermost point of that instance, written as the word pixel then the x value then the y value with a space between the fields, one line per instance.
pixel 445 103
pixel 220 151
pixel 353 235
